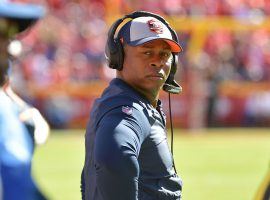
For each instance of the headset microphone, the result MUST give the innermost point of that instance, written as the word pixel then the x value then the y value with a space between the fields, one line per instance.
pixel 173 87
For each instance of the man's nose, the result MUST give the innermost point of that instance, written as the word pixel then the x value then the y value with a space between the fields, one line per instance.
pixel 157 62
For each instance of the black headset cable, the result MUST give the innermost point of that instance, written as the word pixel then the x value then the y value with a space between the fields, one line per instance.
pixel 172 133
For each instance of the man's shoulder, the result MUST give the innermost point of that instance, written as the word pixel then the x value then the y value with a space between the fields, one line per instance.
pixel 119 102
pixel 119 92
pixel 119 97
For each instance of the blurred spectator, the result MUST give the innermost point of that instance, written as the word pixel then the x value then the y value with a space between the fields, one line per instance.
pixel 21 126
pixel 68 45
pixel 79 28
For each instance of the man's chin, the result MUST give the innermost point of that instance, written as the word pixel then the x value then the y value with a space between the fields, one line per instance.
pixel 150 85
pixel 155 87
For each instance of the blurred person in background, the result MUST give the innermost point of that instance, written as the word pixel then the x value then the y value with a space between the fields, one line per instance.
pixel 21 125
pixel 127 154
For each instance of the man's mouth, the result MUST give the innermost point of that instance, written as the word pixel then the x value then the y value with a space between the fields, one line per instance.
pixel 156 76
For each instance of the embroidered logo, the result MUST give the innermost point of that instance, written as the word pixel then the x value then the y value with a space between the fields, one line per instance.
pixel 126 109
pixel 155 26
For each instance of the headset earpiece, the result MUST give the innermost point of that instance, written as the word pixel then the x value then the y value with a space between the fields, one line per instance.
pixel 114 50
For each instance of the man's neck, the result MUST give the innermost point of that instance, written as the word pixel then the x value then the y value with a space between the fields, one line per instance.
pixel 154 103
pixel 151 96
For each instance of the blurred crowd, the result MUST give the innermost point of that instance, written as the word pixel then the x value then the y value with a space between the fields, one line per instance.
pixel 68 44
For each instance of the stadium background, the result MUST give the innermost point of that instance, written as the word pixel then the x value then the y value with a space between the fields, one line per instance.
pixel 224 70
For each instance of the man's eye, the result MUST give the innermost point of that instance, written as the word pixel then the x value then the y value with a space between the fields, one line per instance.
pixel 166 54
pixel 147 53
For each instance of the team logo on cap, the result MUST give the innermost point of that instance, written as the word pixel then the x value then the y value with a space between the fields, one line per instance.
pixel 155 26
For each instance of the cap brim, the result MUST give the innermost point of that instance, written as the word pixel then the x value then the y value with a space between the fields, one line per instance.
pixel 24 14
pixel 175 47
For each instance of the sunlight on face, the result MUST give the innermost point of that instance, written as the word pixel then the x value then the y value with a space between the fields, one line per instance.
pixel 146 67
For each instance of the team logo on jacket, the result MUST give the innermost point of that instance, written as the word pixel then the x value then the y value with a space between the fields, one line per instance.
pixel 155 26
pixel 126 109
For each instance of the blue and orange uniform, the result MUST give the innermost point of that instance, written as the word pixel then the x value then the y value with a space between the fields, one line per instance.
pixel 127 154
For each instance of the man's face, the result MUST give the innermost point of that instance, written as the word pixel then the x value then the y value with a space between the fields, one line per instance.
pixel 146 67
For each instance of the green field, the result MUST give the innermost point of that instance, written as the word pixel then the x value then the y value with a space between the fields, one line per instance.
pixel 216 164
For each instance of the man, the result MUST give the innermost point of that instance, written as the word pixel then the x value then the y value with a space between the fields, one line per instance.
pixel 127 155
pixel 17 119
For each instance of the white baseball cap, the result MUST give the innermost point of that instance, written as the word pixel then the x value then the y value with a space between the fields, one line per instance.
pixel 144 29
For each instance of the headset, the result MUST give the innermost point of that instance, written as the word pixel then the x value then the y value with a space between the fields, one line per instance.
pixel 115 53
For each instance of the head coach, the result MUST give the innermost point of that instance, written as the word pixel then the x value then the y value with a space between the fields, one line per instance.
pixel 127 153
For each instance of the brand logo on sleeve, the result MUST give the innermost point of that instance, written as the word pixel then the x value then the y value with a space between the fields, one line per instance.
pixel 128 110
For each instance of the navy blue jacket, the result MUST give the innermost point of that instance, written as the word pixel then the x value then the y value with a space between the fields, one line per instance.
pixel 127 154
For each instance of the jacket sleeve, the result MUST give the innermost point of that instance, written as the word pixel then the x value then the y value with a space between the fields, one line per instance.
pixel 118 139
